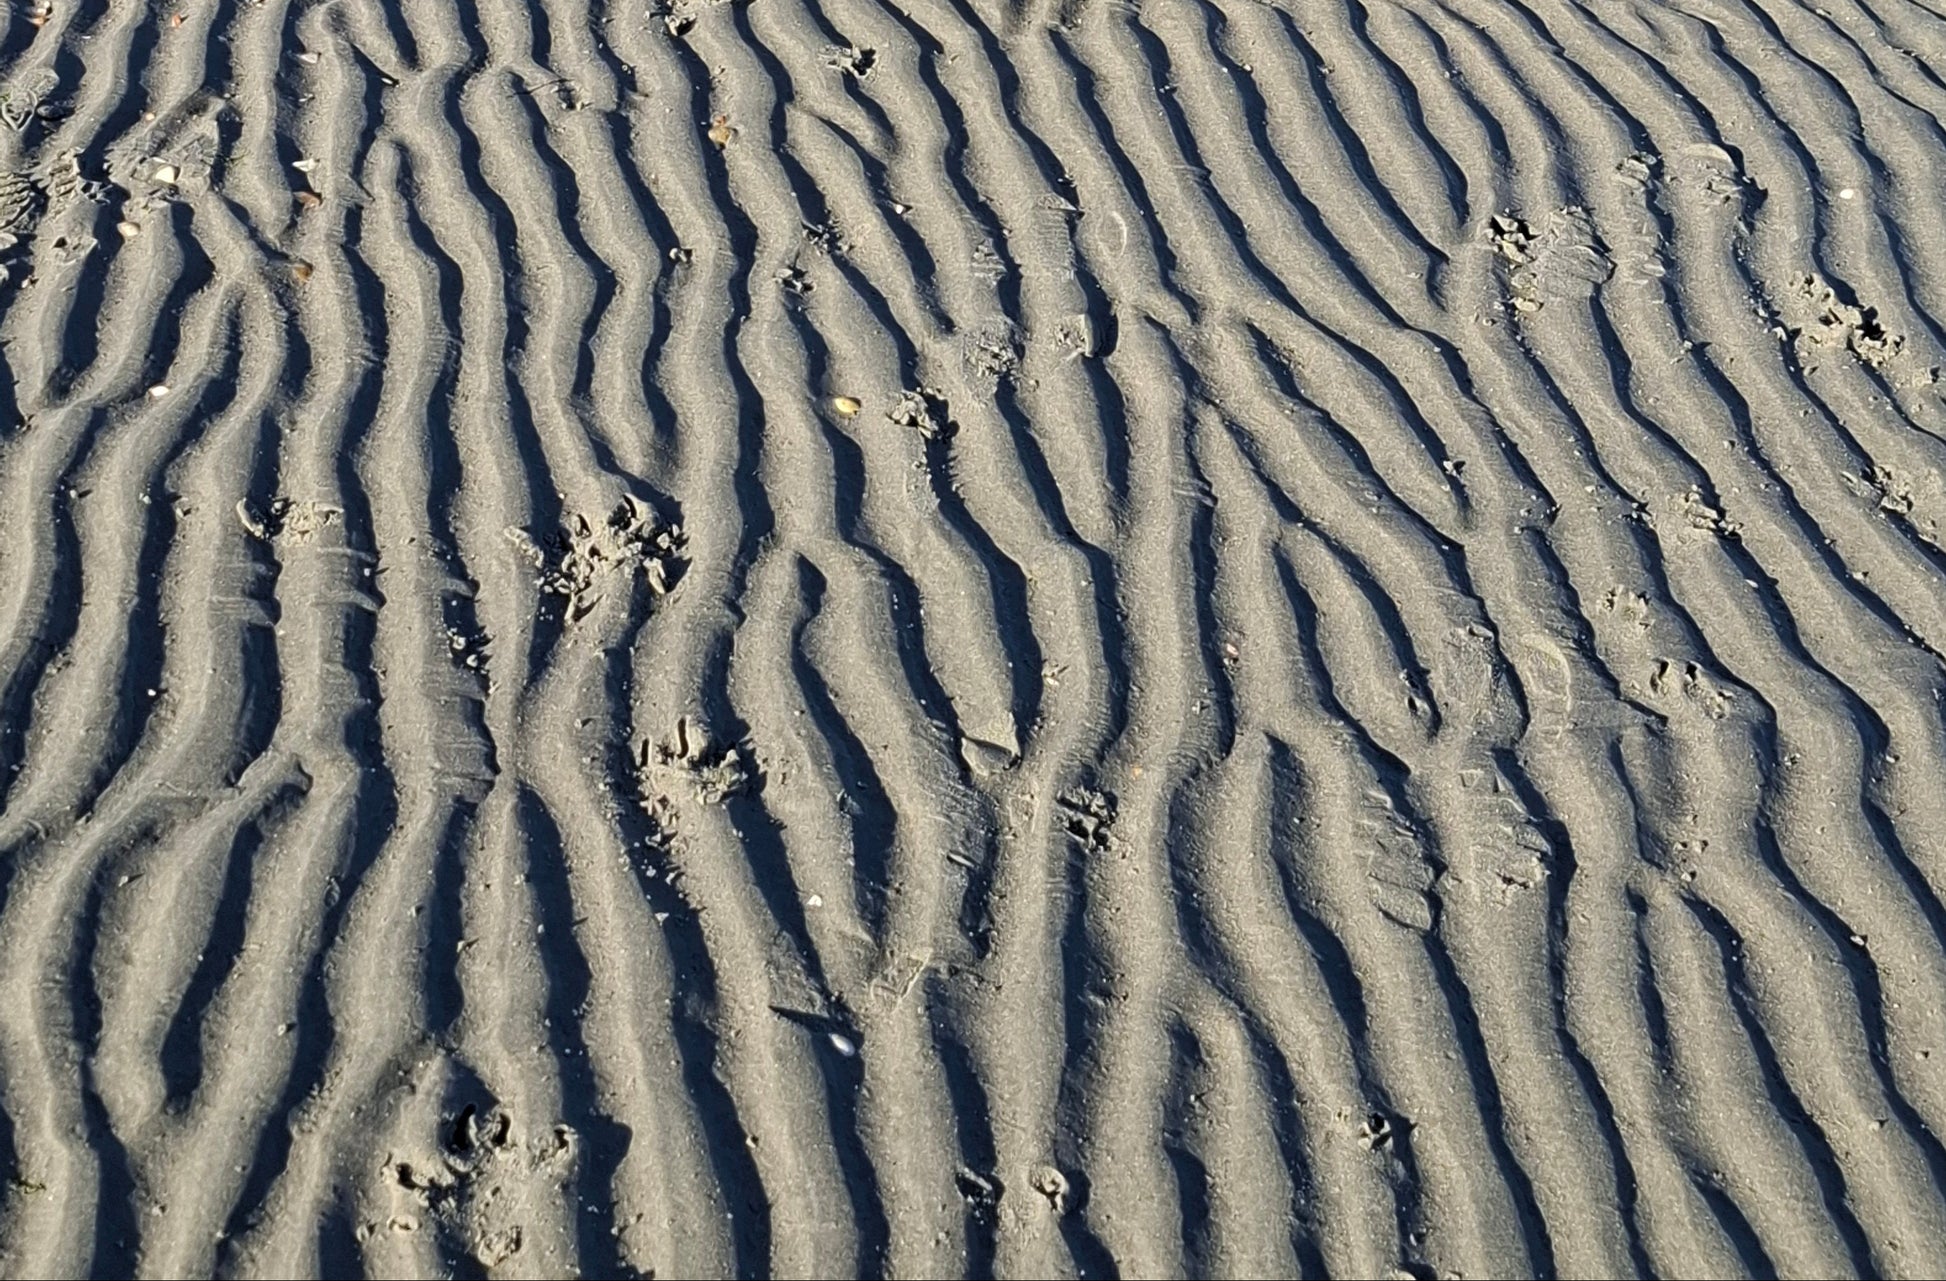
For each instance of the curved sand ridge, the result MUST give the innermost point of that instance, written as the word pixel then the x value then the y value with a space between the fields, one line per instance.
pixel 1177 637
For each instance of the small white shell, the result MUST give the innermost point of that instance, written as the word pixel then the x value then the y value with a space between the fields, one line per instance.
pixel 158 391
pixel 129 230
pixel 305 165
pixel 166 175
pixel 843 1044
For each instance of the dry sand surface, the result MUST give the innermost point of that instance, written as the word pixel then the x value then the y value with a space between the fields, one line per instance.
pixel 936 637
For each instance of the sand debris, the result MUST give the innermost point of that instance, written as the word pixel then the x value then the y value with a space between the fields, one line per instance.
pixel 584 559
pixel 687 760
pixel 286 517
pixel 924 410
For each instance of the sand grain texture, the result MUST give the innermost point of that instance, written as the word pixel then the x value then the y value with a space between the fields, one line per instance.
pixel 931 638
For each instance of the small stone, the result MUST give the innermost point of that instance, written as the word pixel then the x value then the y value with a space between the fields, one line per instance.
pixel 847 405
pixel 308 200
pixel 166 175
pixel 720 131
pixel 305 165
pixel 985 759
pixel 300 271
pixel 843 1044
pixel 129 230
pixel 158 391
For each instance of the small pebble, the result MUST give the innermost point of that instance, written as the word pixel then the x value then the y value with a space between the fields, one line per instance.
pixel 300 271
pixel 720 131
pixel 846 405
pixel 1846 194
pixel 308 200
pixel 129 230
pixel 158 391
pixel 305 165
pixel 843 1044
pixel 166 175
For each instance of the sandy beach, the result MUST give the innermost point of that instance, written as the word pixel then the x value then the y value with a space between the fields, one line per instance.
pixel 943 638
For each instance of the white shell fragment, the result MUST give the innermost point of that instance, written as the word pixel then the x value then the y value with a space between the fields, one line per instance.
pixel 843 1044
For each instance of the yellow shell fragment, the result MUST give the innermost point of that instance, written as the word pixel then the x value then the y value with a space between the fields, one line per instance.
pixel 846 405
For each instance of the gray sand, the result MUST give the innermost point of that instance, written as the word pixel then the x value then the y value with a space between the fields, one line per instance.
pixel 921 637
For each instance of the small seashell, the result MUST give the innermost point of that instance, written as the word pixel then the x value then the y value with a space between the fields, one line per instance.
pixel 308 200
pixel 843 1044
pixel 300 271
pixel 129 230
pixel 158 391
pixel 252 523
pixel 846 405
pixel 307 58
pixel 720 131
pixel 176 19
pixel 166 175
pixel 305 165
